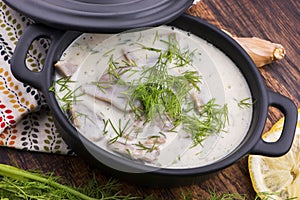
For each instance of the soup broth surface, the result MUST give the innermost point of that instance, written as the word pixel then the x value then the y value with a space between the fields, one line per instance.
pixel 160 96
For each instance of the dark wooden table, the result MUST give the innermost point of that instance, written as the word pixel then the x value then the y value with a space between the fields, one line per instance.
pixel 274 20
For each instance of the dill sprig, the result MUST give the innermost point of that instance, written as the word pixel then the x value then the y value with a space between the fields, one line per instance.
pixel 63 84
pixel 105 130
pixel 211 119
pixel 65 94
pixel 147 148
pixel 21 184
pixel 102 85
pixel 118 130
pixel 245 103
pixel 156 100
pixel 225 196
pixel 159 92
pixel 112 68
pixel 156 37
pixel 175 54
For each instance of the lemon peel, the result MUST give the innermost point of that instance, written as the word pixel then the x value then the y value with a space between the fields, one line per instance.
pixel 277 178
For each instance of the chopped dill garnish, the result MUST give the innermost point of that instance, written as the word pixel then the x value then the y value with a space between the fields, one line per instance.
pixel 80 114
pixel 245 103
pixel 161 133
pixel 148 149
pixel 108 52
pixel 66 95
pixel 129 153
pixel 140 36
pixel 175 53
pixel 102 85
pixel 105 131
pixel 160 92
pixel 119 130
pixel 112 68
pixel 94 51
pixel 129 63
pixel 63 82
pixel 166 96
pixel 163 92
pixel 193 78
pixel 211 120
pixel 151 49
pixel 156 37
pixel 155 100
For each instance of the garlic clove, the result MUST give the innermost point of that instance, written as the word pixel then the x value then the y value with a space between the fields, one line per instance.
pixel 261 51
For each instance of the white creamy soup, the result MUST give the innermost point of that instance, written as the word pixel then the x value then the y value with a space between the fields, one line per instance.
pixel 160 96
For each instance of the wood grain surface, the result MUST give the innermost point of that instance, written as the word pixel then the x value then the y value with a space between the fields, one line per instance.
pixel 274 20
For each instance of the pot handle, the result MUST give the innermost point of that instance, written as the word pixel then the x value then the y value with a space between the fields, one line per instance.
pixel 283 144
pixel 18 61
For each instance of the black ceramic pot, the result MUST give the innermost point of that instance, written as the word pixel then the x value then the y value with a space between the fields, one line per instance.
pixel 139 173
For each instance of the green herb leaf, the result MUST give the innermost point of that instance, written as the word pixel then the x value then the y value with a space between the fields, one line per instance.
pixel 245 103
pixel 21 184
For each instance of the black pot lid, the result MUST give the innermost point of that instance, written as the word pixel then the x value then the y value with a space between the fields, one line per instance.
pixel 101 15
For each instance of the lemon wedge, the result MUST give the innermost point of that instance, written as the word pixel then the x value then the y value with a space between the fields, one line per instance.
pixel 277 178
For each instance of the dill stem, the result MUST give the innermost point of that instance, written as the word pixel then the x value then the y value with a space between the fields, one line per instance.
pixel 19 174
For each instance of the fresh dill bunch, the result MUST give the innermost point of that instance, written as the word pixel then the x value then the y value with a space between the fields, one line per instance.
pixel 23 188
pixel 16 183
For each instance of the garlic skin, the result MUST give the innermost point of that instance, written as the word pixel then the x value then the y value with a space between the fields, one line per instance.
pixel 261 51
